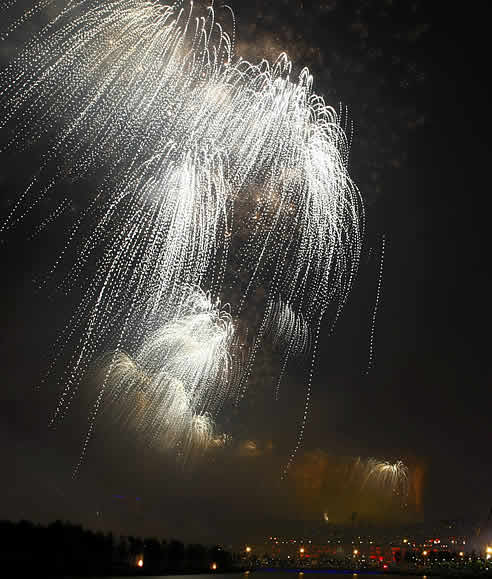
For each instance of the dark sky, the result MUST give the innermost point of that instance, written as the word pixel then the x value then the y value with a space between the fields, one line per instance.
pixel 413 76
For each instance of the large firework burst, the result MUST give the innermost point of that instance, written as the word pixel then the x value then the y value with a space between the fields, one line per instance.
pixel 202 163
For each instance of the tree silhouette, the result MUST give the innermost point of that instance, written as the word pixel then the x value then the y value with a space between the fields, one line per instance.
pixel 62 548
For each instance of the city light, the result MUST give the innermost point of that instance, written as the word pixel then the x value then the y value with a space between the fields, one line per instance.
pixel 424 553
pixel 248 549
pixel 356 552
pixel 301 550
pixel 213 566
pixel 461 554
pixel 140 562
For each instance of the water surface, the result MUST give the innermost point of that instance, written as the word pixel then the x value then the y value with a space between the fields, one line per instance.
pixel 287 574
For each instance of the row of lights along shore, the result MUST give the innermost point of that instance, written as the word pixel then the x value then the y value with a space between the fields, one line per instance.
pixel 425 552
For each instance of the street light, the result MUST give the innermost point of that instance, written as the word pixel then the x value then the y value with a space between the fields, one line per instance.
pixel 356 552
pixel 424 553
pixel 248 549
pixel 301 550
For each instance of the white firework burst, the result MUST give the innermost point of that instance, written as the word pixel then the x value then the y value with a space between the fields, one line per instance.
pixel 150 104
pixel 177 381
pixel 387 476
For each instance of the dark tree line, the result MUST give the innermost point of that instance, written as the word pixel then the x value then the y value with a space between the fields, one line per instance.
pixel 64 548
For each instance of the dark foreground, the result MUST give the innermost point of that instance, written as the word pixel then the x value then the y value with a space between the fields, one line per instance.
pixel 67 550
pixel 64 549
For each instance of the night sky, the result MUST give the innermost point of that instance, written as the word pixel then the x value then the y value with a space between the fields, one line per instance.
pixel 413 77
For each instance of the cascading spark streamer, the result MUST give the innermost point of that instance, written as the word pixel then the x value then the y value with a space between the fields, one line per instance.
pixel 145 111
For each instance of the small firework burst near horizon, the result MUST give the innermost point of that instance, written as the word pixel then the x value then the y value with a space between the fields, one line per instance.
pixel 147 108
pixel 392 477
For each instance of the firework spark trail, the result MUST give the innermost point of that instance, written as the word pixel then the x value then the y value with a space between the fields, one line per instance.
pixel 370 362
pixel 151 101
pixel 291 333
